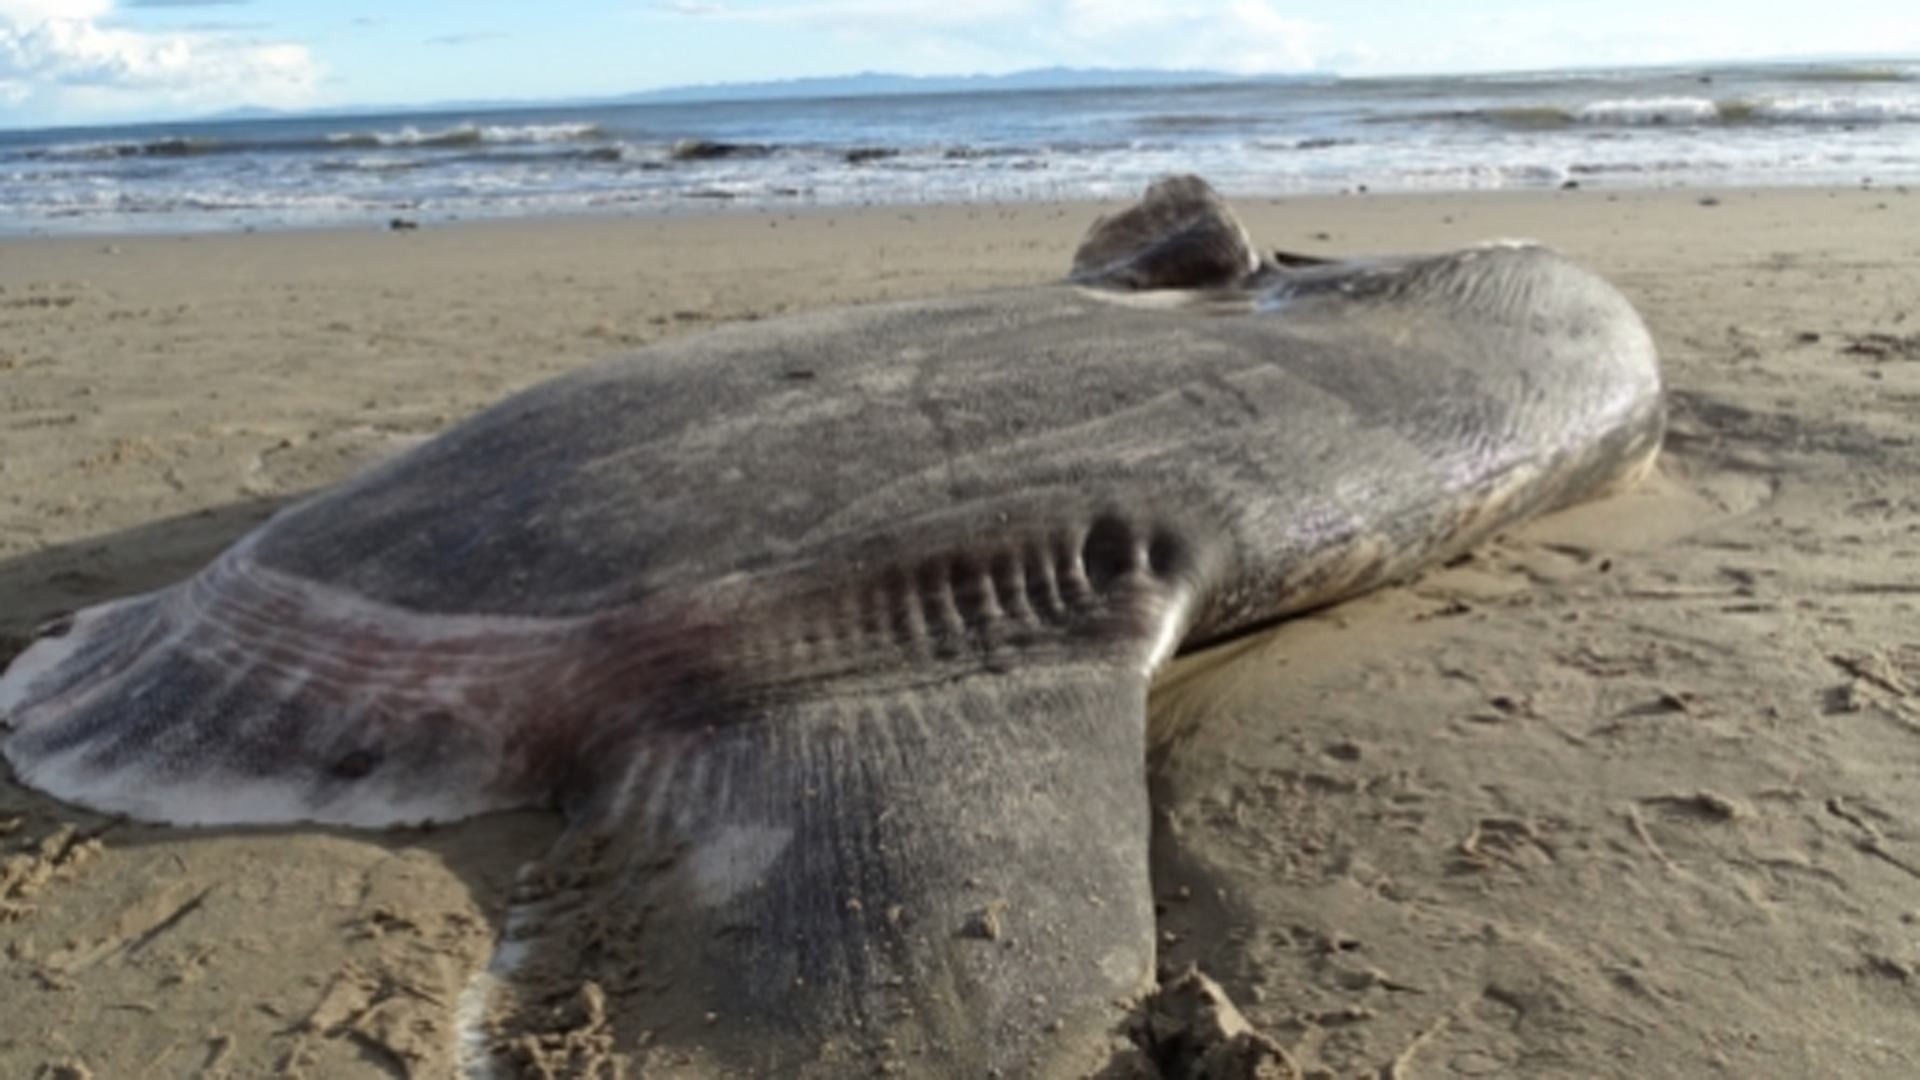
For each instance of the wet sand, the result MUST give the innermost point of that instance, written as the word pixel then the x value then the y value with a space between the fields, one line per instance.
pixel 1633 792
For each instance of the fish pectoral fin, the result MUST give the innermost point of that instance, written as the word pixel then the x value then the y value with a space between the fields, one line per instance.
pixel 951 876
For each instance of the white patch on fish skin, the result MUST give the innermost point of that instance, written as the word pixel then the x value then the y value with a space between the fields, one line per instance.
pixel 47 653
pixel 473 1058
pixel 1204 301
pixel 1167 636
pixel 243 801
pixel 1633 472
pixel 733 859
pixel 472 1041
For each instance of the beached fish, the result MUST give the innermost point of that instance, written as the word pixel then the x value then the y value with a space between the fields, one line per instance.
pixel 831 635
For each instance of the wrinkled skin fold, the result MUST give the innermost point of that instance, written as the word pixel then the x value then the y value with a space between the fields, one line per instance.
pixel 832 634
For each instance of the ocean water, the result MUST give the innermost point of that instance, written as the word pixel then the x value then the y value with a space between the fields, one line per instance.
pixel 1805 124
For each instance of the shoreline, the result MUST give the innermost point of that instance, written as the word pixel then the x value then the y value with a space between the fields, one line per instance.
pixel 1366 218
pixel 1630 789
pixel 701 209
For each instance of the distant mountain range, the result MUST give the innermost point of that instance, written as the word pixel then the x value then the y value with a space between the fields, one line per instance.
pixel 869 84
pixel 866 84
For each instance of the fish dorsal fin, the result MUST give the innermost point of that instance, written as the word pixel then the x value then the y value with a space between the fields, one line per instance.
pixel 1180 236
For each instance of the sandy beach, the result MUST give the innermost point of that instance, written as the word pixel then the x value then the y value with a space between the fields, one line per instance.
pixel 1632 792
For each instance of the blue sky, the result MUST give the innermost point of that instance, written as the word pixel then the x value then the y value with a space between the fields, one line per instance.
pixel 93 61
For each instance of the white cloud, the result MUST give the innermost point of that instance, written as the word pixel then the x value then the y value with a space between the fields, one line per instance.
pixel 66 61
pixel 30 10
pixel 1103 18
pixel 1223 35
pixel 1505 37
pixel 1231 35
pixel 871 16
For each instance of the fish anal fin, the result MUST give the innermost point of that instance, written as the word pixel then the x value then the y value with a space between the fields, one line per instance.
pixel 950 877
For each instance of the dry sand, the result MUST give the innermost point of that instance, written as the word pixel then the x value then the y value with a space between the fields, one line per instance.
pixel 1633 793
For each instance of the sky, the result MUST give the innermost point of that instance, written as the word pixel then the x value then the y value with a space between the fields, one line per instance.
pixel 108 61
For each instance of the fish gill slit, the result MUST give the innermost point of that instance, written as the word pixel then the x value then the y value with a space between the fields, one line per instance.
pixel 979 602
pixel 944 621
pixel 975 596
pixel 1071 588
pixel 955 603
pixel 908 617
pixel 1006 576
